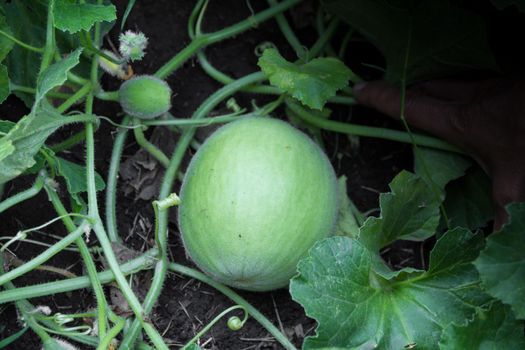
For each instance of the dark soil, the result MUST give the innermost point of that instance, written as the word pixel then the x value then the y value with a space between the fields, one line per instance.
pixel 186 305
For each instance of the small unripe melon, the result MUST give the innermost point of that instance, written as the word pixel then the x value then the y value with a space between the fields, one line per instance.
pixel 145 97
pixel 256 197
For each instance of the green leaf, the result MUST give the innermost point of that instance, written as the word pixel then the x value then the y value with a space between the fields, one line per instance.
pixel 502 4
pixel 347 224
pixel 26 20
pixel 441 39
pixel 410 211
pixel 5 44
pixel 493 329
pixel 55 75
pixel 4 83
pixel 468 202
pixel 73 17
pixel 25 139
pixel 75 178
pixel 357 309
pixel 501 264
pixel 438 168
pixel 312 83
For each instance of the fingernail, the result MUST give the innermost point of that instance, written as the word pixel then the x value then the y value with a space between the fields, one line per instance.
pixel 359 86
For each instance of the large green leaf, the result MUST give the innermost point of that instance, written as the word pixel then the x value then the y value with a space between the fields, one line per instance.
pixel 312 83
pixel 502 263
pixel 469 200
pixel 27 21
pixel 73 17
pixel 410 211
pixel 440 38
pixel 55 75
pixel 491 330
pixel 4 83
pixel 25 139
pixel 357 309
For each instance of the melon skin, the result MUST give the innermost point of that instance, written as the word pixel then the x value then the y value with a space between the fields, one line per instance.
pixel 256 197
pixel 145 97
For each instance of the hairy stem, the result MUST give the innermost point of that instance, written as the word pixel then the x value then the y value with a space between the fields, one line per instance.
pixel 102 304
pixel 368 131
pixel 24 195
pixel 111 183
pixel 49 48
pixel 77 96
pixel 30 90
pixel 208 39
pixel 288 33
pixel 98 227
pixel 149 147
pixel 145 261
pixel 45 255
pixel 21 43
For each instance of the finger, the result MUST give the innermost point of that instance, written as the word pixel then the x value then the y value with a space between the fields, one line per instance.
pixel 422 111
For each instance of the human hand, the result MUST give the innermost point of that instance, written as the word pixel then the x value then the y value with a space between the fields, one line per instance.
pixel 484 118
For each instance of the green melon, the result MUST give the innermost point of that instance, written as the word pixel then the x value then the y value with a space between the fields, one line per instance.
pixel 255 198
pixel 145 97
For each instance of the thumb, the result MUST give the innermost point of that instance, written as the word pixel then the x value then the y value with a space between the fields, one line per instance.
pixel 422 111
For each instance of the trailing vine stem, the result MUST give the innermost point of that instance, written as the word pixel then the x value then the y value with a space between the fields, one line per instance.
pixel 45 255
pixel 32 91
pixel 49 48
pixel 4 343
pixel 21 43
pixel 111 182
pixel 369 131
pixel 102 304
pixel 144 261
pixel 98 227
pixel 288 33
pixel 153 150
pixel 209 38
pixel 24 195
pixel 77 96
pixel 23 308
pixel 214 321
pixel 112 334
